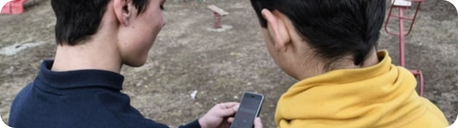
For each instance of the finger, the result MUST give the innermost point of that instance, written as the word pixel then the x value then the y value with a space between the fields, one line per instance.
pixel 222 112
pixel 236 108
pixel 227 105
pixel 257 123
pixel 230 119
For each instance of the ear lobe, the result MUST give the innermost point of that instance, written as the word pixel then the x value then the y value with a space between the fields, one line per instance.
pixel 277 30
pixel 123 11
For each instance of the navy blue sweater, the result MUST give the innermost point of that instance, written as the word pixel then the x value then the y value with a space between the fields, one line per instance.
pixel 77 99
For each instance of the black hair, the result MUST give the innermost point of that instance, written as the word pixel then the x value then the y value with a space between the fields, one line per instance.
pixel 334 28
pixel 77 20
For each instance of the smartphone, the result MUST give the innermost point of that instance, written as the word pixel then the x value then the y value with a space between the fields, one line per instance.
pixel 249 109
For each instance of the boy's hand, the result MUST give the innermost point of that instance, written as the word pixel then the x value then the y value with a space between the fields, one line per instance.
pixel 217 116
pixel 257 122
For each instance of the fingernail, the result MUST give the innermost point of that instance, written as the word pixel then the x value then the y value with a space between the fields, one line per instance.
pixel 236 108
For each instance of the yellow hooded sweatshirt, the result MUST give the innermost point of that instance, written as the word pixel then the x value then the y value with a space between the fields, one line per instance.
pixel 380 96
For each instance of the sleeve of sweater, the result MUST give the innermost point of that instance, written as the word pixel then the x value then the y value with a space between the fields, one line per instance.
pixel 194 124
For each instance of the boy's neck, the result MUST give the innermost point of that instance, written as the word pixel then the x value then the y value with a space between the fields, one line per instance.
pixel 85 57
pixel 317 68
pixel 371 60
pixel 99 52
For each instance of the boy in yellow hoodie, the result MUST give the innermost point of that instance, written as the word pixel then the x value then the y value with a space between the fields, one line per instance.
pixel 330 47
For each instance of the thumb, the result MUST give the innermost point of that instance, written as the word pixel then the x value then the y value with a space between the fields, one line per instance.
pixel 230 119
pixel 226 112
pixel 257 123
pixel 236 108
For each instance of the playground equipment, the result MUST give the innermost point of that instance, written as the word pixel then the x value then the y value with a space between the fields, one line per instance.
pixel 401 6
pixel 14 7
pixel 218 14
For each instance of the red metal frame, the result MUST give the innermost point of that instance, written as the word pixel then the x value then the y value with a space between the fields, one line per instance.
pixel 14 7
pixel 402 34
pixel 217 20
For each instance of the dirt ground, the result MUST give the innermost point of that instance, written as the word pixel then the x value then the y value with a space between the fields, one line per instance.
pixel 187 57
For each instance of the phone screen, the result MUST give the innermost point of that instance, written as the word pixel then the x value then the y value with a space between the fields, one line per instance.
pixel 248 110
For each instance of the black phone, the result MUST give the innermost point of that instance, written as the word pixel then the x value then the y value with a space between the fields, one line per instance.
pixel 249 109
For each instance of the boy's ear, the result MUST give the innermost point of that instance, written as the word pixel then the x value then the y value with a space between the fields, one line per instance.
pixel 277 29
pixel 123 10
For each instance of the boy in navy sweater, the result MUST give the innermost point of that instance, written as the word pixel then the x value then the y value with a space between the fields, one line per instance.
pixel 80 88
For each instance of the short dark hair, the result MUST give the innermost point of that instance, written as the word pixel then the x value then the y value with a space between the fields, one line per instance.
pixel 332 27
pixel 77 20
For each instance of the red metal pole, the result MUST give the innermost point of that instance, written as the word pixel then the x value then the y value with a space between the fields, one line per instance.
pixel 413 19
pixel 401 37
pixel 388 20
pixel 421 83
pixel 217 20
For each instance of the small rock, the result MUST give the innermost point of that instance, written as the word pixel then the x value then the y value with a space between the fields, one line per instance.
pixel 194 94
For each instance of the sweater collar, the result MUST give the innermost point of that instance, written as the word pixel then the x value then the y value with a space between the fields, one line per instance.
pixel 78 78
pixel 362 96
